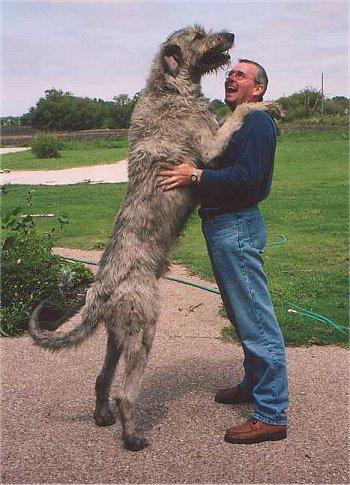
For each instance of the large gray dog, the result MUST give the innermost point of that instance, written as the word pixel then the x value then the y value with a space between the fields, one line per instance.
pixel 171 119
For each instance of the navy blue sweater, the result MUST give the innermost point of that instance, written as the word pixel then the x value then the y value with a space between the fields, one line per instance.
pixel 245 169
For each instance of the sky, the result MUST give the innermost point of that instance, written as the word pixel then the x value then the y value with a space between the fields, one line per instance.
pixel 101 49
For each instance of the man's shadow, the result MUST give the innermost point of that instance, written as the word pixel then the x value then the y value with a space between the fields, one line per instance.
pixel 170 384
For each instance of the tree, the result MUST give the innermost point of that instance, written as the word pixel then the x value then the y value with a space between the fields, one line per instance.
pixel 122 99
pixel 122 109
pixel 338 105
pixel 302 104
pixel 58 110
pixel 10 120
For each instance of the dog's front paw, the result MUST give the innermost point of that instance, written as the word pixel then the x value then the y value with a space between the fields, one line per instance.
pixel 244 109
pixel 274 109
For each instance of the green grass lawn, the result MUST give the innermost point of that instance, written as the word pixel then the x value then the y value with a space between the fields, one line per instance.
pixel 308 204
pixel 74 154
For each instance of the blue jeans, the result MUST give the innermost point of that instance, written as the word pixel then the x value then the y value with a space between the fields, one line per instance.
pixel 235 242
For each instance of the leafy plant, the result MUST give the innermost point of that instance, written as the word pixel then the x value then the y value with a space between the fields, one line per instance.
pixel 46 145
pixel 32 273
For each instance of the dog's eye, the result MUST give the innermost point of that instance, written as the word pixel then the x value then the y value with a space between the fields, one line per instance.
pixel 199 36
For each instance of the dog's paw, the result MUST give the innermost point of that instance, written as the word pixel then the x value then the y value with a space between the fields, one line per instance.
pixel 244 109
pixel 274 109
pixel 135 443
pixel 105 418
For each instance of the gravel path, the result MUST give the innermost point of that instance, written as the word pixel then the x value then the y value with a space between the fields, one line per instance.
pixel 109 173
pixel 49 436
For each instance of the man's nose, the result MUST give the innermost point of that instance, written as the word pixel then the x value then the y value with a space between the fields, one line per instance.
pixel 230 36
pixel 230 77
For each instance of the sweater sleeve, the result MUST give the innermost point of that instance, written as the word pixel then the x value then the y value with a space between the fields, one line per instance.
pixel 249 166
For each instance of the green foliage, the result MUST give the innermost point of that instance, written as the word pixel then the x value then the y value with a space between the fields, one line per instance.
pixel 219 108
pixel 10 120
pixel 46 145
pixel 301 104
pixel 338 105
pixel 58 110
pixel 307 104
pixel 303 107
pixel 121 110
pixel 31 273
pixel 61 111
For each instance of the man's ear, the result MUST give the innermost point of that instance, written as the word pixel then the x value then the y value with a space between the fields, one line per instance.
pixel 258 90
pixel 172 58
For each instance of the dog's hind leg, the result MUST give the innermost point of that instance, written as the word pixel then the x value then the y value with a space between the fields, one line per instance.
pixel 103 414
pixel 135 363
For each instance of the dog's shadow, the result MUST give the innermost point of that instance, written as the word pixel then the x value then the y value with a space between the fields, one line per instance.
pixel 200 378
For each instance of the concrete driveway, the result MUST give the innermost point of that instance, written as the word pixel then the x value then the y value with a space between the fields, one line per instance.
pixel 109 173
pixel 49 435
pixel 3 151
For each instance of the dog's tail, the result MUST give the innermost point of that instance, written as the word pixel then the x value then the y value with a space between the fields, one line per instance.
pixel 87 327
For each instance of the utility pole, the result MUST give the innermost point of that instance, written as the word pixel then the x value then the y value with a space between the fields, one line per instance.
pixel 322 94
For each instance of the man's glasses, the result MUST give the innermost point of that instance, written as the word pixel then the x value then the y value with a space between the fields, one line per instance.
pixel 238 75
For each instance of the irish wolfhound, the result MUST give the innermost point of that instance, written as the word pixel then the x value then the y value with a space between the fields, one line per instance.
pixel 171 119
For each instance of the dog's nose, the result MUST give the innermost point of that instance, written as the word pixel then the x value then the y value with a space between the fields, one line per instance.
pixel 231 37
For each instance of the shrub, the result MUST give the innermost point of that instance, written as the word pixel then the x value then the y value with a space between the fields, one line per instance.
pixel 32 273
pixel 46 145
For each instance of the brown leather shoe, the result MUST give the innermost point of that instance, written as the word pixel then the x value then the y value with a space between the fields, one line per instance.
pixel 255 431
pixel 232 395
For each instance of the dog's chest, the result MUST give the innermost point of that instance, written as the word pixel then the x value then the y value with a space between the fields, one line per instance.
pixel 175 118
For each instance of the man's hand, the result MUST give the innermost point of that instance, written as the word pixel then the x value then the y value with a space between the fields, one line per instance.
pixel 177 176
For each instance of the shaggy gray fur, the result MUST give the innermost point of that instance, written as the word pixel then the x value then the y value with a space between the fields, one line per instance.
pixel 171 119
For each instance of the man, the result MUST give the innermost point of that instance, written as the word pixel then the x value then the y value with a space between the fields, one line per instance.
pixel 235 234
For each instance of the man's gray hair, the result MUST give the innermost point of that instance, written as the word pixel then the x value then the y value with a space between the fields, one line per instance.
pixel 261 77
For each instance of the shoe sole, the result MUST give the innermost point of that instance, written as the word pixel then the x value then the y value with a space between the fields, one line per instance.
pixel 250 441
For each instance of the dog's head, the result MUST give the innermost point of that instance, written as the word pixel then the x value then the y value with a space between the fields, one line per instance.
pixel 194 51
pixel 185 56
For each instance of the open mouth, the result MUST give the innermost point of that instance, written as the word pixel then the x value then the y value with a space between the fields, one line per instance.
pixel 216 57
pixel 231 89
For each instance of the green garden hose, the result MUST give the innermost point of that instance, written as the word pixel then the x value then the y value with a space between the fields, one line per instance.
pixel 294 308
pixel 281 240
pixel 315 316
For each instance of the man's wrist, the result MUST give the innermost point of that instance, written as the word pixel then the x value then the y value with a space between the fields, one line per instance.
pixel 196 176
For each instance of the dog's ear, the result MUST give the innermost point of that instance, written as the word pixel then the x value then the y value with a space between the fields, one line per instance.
pixel 172 58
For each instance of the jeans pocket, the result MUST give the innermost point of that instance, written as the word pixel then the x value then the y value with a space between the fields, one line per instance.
pixel 223 221
pixel 222 235
pixel 256 232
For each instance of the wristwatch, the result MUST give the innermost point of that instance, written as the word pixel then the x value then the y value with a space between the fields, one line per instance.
pixel 194 176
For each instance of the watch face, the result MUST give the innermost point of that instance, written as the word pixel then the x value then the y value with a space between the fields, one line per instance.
pixel 194 178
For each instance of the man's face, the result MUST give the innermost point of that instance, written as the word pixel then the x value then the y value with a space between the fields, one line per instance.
pixel 240 85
